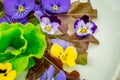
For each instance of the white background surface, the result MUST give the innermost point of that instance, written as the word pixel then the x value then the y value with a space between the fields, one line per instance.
pixel 103 59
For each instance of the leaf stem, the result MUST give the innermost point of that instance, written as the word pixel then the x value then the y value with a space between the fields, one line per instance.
pixel 51 63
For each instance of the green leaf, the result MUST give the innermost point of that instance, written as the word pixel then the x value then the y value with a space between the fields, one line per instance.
pixel 4 57
pixel 19 43
pixel 20 63
pixel 12 40
pixel 82 59
pixel 36 40
pixel 31 63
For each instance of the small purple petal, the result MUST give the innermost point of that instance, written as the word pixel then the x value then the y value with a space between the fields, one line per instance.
pixel 3 20
pixel 37 8
pixel 48 74
pixel 10 20
pixel 60 76
pixel 45 20
pixel 85 18
pixel 23 20
pixel 38 14
pixel 91 26
pixel 62 43
pixel 55 19
pixel 55 26
pixel 79 24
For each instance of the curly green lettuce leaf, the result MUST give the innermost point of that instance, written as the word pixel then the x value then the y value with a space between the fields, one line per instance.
pixel 20 43
pixel 12 40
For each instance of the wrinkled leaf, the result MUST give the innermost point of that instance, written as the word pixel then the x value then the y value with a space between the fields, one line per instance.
pixel 64 23
pixel 10 36
pixel 82 59
pixel 19 43
pixel 74 75
pixel 79 9
pixel 20 63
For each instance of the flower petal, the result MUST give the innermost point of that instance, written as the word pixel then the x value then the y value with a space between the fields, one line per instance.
pixel 11 75
pixel 85 18
pixel 70 54
pixel 62 43
pixel 70 63
pixel 56 50
pixel 91 26
pixel 38 14
pixel 10 7
pixel 55 26
pixel 8 66
pixel 45 20
pixel 48 74
pixel 60 76
pixel 79 24
pixel 3 20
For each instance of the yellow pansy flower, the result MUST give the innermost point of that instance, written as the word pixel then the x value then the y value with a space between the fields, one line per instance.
pixel 6 72
pixel 67 56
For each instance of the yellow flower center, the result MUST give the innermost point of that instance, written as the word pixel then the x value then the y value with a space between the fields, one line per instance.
pixel 83 30
pixel 55 7
pixel 48 28
pixel 21 9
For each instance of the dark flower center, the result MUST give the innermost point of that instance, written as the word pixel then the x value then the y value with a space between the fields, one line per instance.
pixel 55 7
pixel 21 9
pixel 3 71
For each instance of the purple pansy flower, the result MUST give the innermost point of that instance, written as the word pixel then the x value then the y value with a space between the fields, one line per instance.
pixel 62 43
pixel 84 27
pixel 18 9
pixel 48 75
pixel 49 24
pixel 9 20
pixel 56 6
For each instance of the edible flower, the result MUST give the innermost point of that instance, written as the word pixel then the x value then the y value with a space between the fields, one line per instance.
pixel 18 9
pixel 49 73
pixel 49 24
pixel 67 56
pixel 56 6
pixel 6 72
pixel 84 27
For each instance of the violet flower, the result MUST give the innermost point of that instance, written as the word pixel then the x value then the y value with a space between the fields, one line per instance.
pixel 84 27
pixel 9 20
pixel 18 9
pixel 62 43
pixel 49 24
pixel 56 6
pixel 48 74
